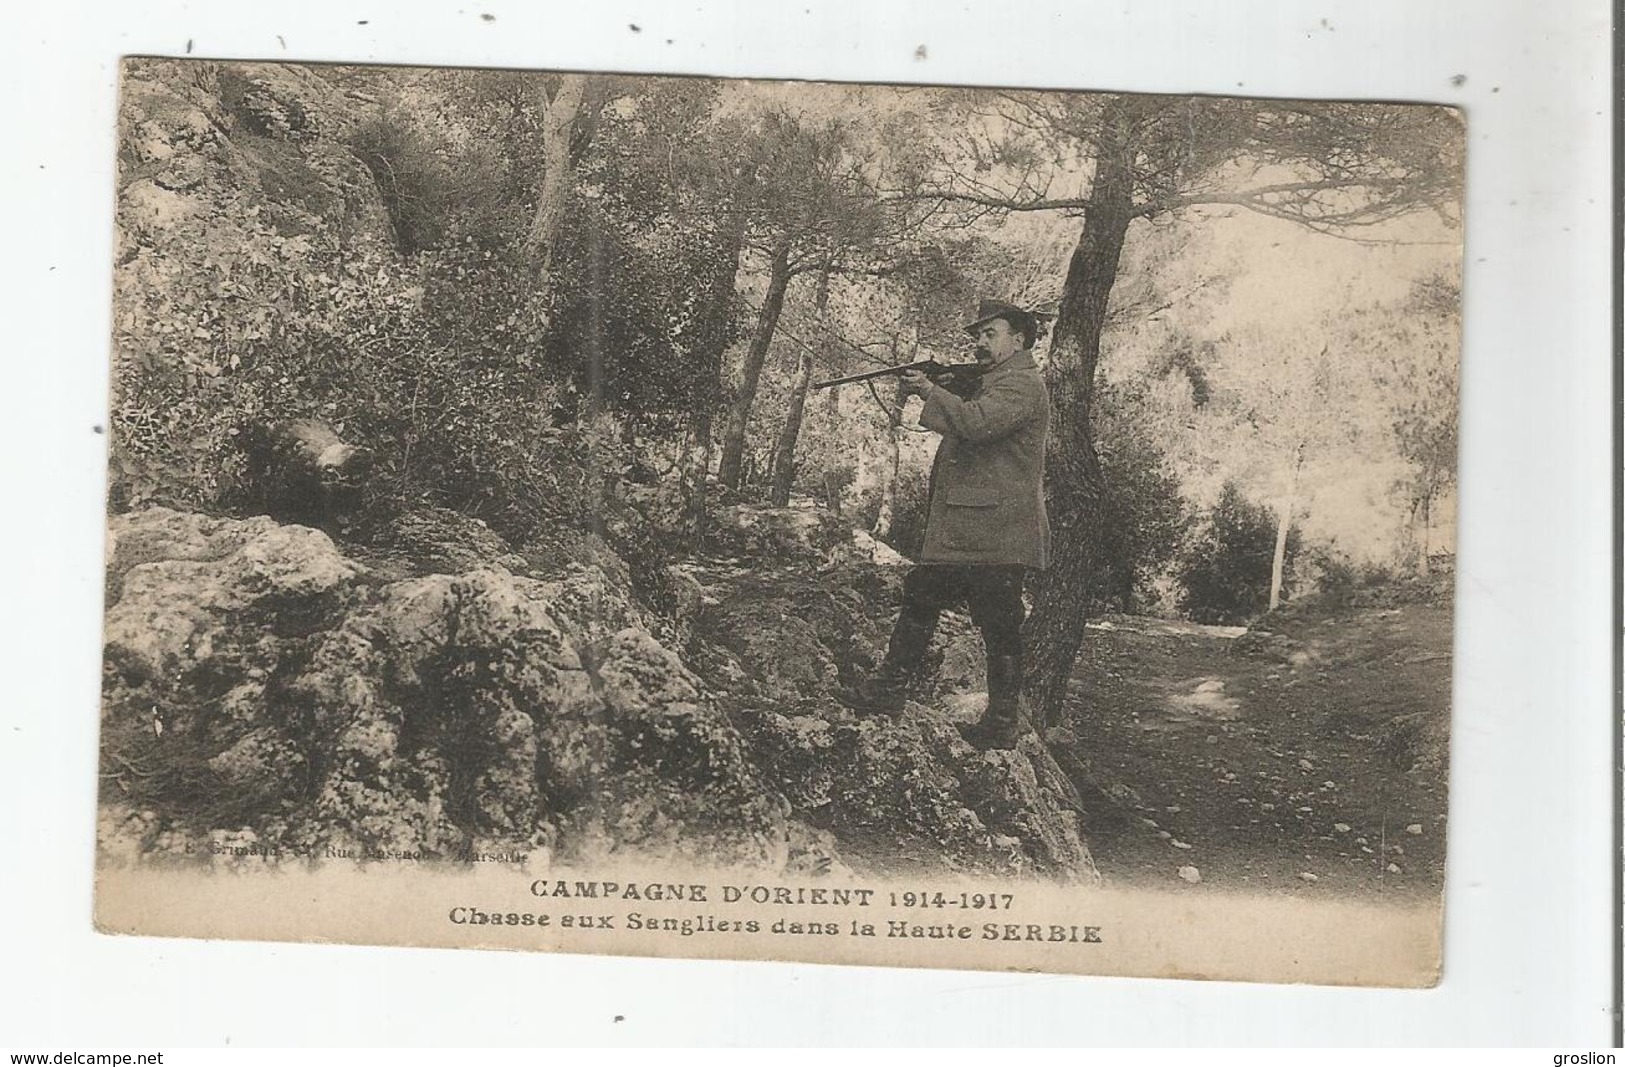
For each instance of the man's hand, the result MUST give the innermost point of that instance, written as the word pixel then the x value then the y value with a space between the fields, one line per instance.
pixel 914 383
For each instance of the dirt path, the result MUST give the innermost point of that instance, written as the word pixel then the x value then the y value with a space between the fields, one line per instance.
pixel 1309 762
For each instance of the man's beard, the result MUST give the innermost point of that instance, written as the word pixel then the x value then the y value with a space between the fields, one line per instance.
pixel 983 355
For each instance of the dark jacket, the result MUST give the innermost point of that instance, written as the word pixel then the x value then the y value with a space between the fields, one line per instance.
pixel 987 485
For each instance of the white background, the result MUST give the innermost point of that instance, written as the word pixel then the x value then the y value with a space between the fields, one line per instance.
pixel 1529 916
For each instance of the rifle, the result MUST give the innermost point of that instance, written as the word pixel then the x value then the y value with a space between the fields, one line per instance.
pixel 958 378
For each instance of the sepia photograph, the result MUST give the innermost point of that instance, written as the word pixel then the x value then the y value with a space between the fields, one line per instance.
pixel 867 523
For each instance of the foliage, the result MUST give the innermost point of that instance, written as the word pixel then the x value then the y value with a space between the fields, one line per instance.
pixel 633 351
pixel 1418 369
pixel 1337 579
pixel 219 330
pixel 1325 165
pixel 413 189
pixel 260 298
pixel 254 331
pixel 346 245
pixel 426 194
pixel 910 506
pixel 1143 513
pixel 1225 566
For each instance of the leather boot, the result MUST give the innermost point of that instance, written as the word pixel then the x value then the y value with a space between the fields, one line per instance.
pixel 886 691
pixel 1000 726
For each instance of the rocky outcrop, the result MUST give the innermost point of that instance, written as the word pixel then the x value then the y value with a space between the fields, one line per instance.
pixel 258 682
pixel 200 139
pixel 249 239
pixel 264 688
pixel 430 540
pixel 1263 644
pixel 909 794
pixel 897 793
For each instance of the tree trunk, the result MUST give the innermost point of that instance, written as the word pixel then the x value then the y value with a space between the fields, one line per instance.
pixel 833 487
pixel 733 438
pixel 784 452
pixel 1427 522
pixel 558 122
pixel 593 420
pixel 1283 526
pixel 1076 487
pixel 715 335
pixel 697 464
pixel 1278 564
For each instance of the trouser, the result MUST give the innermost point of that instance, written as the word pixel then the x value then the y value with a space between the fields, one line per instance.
pixel 991 591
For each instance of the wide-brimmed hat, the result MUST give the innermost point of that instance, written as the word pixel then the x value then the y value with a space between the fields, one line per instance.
pixel 1016 317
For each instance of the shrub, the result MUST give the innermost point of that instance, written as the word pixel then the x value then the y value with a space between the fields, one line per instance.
pixel 910 506
pixel 1334 575
pixel 448 391
pixel 411 183
pixel 1226 565
pixel 1142 517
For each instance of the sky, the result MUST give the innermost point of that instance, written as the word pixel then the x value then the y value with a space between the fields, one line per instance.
pixel 1286 281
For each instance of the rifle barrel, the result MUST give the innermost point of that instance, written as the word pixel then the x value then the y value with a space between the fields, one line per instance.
pixel 931 368
pixel 859 377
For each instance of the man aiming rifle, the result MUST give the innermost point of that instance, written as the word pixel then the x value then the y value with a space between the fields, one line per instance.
pixel 986 523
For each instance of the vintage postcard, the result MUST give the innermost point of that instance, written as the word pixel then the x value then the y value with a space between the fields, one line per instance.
pixel 865 524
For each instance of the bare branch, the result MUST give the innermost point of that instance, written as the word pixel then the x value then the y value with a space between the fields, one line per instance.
pixel 997 203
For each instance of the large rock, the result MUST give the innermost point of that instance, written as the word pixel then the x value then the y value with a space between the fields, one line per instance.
pixel 430 540
pixel 200 140
pixel 194 596
pixel 1263 644
pixel 652 765
pixel 584 581
pixel 910 794
pixel 260 683
pixel 796 634
pixel 963 655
